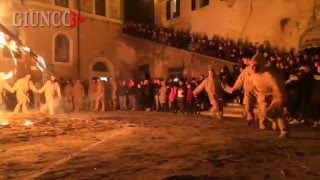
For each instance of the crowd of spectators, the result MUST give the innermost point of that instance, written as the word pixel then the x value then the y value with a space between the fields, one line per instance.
pixel 300 69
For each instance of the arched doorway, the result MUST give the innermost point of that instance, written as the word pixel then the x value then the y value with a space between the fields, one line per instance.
pixel 101 68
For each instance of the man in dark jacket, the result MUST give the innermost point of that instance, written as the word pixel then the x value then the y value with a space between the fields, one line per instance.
pixel 147 94
pixel 122 92
pixel 315 99
pixel 306 86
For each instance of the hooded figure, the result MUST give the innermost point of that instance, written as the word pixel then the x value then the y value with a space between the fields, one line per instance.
pixel 67 92
pixel 37 98
pixel 163 94
pixel 270 93
pixel 212 85
pixel 78 94
pixel 113 94
pixel 93 94
pixel 99 97
pixel 50 88
pixel 244 81
pixel 22 86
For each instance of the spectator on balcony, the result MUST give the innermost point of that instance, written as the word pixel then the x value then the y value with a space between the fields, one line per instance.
pixel 193 45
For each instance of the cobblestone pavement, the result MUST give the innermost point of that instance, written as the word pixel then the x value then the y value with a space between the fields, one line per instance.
pixel 150 145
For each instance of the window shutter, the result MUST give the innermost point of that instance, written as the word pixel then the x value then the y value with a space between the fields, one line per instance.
pixel 168 10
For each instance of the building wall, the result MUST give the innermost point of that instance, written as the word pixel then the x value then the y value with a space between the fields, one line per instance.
pixel 281 22
pixel 101 40
pixel 95 42
pixel 132 52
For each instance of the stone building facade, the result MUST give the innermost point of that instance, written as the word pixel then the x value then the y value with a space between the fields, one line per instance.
pixel 81 51
pixel 97 48
pixel 281 23
pixel 140 58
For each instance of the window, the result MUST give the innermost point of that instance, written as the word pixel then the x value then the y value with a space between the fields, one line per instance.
pixel 100 7
pixel 144 71
pixel 172 9
pixel 176 73
pixel 62 3
pixel 168 10
pixel 176 8
pixel 193 5
pixel 62 49
pixel 204 3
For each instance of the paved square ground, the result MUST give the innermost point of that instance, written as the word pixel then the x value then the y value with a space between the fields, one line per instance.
pixel 150 145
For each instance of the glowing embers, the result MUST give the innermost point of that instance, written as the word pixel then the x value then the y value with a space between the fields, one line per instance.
pixel 28 123
pixel 14 47
pixel 26 49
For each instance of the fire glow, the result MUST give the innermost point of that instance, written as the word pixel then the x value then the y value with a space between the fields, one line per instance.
pixel 13 46
pixel 3 41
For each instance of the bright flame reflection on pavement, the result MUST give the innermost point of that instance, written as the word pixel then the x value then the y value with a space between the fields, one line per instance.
pixel 4 123
pixel 28 123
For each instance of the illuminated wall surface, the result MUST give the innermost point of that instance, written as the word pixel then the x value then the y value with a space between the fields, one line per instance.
pixel 281 22
pixel 116 7
pixel 96 39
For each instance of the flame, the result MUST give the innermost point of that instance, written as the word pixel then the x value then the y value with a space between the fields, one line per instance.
pixel 41 61
pixel 26 49
pixel 3 41
pixel 13 57
pixel 13 46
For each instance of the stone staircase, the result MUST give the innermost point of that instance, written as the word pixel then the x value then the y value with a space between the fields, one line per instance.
pixel 234 110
